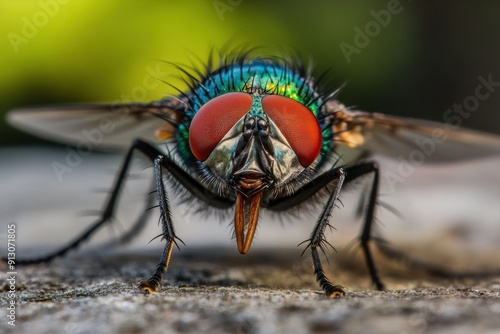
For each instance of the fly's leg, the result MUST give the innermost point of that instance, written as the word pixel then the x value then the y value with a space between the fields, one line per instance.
pixel 307 191
pixel 365 237
pixel 180 175
pixel 154 282
pixel 168 233
pixel 106 216
pixel 317 239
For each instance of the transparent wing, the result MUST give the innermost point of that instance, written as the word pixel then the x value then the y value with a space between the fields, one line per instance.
pixel 359 133
pixel 106 127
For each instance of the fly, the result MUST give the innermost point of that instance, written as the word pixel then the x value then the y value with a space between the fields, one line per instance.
pixel 254 133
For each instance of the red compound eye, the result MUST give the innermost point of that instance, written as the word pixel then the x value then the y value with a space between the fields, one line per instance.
pixel 297 123
pixel 214 120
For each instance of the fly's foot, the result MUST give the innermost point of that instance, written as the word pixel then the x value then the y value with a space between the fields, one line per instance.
pixel 150 286
pixel 331 290
pixel 334 291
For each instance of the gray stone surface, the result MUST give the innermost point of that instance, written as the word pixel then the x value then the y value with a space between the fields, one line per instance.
pixel 450 219
pixel 217 291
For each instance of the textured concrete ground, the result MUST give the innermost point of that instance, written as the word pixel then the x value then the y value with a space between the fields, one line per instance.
pixel 217 291
pixel 211 288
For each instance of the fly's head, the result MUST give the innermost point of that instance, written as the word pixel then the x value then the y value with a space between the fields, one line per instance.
pixel 253 143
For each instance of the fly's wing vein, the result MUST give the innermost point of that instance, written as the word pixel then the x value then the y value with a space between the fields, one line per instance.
pixel 104 126
pixel 358 132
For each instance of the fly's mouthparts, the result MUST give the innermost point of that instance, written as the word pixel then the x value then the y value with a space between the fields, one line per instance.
pixel 249 189
pixel 249 183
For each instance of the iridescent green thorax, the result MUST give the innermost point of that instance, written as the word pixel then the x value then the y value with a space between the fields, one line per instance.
pixel 261 76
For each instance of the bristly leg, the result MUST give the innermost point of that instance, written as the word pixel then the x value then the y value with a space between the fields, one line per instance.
pixel 317 239
pixel 168 233
pixel 154 282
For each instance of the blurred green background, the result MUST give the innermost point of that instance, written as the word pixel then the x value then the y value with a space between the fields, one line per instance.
pixel 419 64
